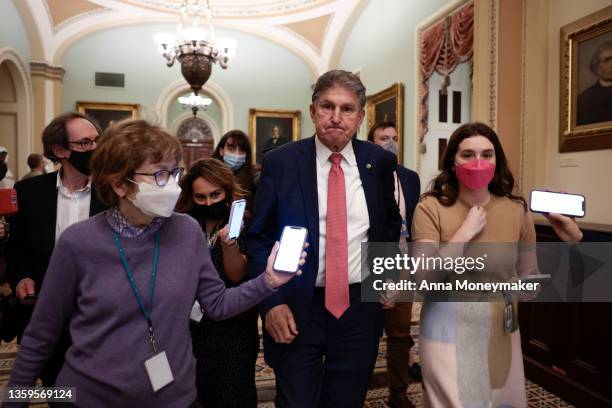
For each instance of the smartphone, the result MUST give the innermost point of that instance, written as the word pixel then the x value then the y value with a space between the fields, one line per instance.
pixel 235 218
pixel 560 203
pixel 291 245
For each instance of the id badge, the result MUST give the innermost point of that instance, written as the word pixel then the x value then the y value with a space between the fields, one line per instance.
pixel 510 320
pixel 196 312
pixel 159 371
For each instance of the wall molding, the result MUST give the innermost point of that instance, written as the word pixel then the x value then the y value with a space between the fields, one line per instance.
pixel 46 70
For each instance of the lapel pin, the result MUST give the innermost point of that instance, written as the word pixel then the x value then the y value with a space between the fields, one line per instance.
pixel 368 166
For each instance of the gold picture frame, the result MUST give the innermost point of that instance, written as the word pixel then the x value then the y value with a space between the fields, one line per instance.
pixel 388 106
pixel 106 113
pixel 262 124
pixel 582 125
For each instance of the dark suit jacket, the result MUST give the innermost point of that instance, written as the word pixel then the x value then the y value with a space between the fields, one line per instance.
pixel 32 235
pixel 411 187
pixel 287 195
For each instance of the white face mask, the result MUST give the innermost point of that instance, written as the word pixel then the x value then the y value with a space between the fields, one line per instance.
pixel 390 145
pixel 156 201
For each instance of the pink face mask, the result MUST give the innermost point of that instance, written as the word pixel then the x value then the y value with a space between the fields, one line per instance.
pixel 475 174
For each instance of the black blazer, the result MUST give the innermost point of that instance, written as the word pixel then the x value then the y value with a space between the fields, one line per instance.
pixel 32 234
pixel 287 195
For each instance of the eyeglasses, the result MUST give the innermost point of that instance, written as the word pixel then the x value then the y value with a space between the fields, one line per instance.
pixel 86 144
pixel 162 176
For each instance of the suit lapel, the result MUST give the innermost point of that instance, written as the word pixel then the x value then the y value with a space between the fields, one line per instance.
pixel 308 183
pixel 95 206
pixel 367 173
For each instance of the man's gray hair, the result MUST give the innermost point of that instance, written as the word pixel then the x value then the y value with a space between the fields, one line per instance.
pixel 595 59
pixel 344 79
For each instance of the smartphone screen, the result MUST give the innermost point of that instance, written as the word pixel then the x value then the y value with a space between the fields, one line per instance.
pixel 291 244
pixel 560 203
pixel 235 219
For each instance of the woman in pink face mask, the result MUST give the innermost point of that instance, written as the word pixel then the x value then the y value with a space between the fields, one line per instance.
pixel 467 356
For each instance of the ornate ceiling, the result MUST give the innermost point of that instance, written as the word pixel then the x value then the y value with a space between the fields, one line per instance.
pixel 313 29
pixel 237 8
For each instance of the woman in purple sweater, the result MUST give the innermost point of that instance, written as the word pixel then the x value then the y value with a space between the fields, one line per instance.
pixel 124 282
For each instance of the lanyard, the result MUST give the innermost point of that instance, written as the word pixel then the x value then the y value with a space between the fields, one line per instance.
pixel 145 312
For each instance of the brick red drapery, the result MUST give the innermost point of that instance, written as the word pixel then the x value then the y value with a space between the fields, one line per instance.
pixel 444 45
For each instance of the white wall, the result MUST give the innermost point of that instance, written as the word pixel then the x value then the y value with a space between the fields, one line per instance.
pixel 12 31
pixel 590 171
pixel 263 75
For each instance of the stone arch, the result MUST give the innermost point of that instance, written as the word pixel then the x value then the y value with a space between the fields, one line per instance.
pixel 179 87
pixel 20 110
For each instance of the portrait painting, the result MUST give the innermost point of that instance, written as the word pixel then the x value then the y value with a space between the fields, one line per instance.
pixel 270 129
pixel 105 114
pixel 586 83
pixel 388 106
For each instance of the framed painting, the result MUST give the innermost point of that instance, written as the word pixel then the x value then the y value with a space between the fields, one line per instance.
pixel 388 106
pixel 269 129
pixel 106 113
pixel 586 83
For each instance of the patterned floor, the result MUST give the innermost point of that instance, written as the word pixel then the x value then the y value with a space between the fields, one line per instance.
pixel 376 398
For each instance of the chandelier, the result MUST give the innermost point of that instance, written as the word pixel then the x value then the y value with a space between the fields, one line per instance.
pixel 194 102
pixel 195 47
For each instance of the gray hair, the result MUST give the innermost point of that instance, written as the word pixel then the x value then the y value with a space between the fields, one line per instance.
pixel 344 79
pixel 594 64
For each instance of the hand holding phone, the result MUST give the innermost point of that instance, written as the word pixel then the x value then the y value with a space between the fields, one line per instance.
pixel 235 218
pixel 287 256
pixel 291 245
pixel 547 202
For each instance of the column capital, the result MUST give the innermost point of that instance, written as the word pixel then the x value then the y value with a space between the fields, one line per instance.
pixel 46 70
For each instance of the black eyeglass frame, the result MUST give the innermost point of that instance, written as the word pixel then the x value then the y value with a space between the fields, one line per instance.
pixel 176 172
pixel 85 143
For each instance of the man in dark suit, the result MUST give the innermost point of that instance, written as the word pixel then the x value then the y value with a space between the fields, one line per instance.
pixel 319 338
pixel 48 204
pixel 398 318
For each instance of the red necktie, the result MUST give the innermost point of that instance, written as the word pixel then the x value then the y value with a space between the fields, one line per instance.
pixel 336 242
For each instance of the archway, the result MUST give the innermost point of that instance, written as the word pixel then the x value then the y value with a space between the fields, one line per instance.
pixel 179 87
pixel 15 111
pixel 196 137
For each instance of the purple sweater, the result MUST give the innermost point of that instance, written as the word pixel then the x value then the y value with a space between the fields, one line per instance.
pixel 86 287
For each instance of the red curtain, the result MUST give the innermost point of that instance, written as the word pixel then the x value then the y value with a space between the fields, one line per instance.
pixel 444 45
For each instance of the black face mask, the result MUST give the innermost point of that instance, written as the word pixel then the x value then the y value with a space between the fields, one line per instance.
pixel 80 161
pixel 216 211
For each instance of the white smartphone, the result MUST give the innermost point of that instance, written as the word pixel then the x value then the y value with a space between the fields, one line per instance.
pixel 291 245
pixel 561 203
pixel 235 218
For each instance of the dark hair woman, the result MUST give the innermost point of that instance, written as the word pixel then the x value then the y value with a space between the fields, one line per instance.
pixel 467 353
pixel 235 150
pixel 225 351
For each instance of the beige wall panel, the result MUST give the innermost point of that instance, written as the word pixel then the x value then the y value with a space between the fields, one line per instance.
pixel 7 86
pixel 8 137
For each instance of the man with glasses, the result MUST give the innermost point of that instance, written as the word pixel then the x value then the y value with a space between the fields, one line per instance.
pixel 49 204
pixel 320 338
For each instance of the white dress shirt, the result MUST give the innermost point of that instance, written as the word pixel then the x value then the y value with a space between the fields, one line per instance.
pixel 72 207
pixel 358 220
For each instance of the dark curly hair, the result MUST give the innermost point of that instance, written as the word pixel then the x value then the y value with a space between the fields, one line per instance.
pixel 445 187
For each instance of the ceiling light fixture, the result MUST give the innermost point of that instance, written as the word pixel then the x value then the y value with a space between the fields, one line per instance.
pixel 195 47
